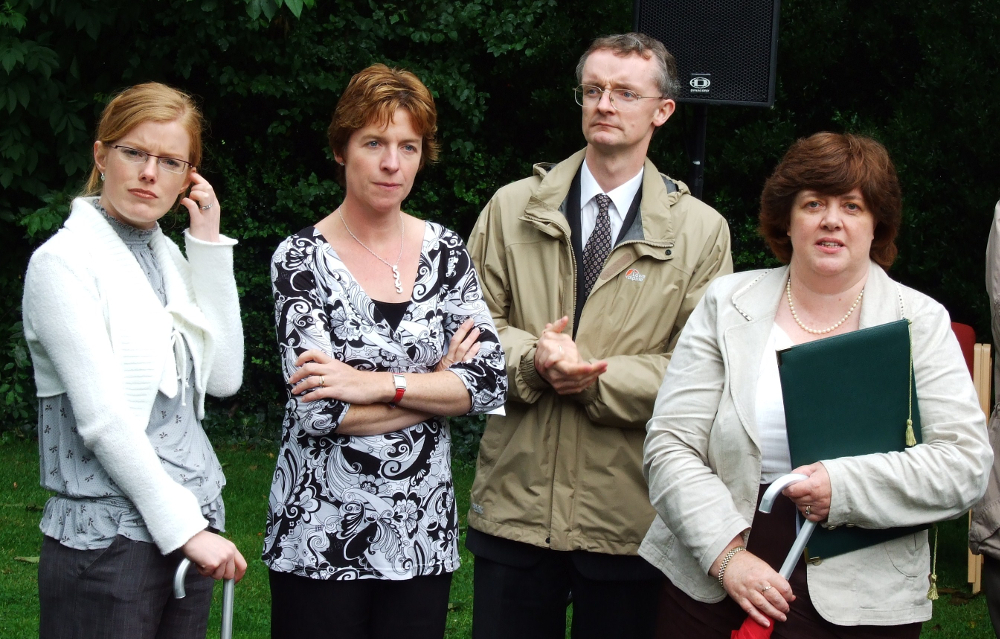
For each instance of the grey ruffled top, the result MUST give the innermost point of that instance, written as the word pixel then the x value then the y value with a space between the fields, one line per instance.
pixel 88 509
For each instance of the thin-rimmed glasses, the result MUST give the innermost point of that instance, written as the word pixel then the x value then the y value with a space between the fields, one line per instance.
pixel 168 164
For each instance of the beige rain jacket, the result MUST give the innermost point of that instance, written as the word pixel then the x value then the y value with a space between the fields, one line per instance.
pixel 566 472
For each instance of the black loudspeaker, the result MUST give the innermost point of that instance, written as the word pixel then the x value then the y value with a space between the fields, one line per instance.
pixel 726 50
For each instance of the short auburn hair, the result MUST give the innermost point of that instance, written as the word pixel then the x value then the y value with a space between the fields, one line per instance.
pixel 834 164
pixel 372 97
pixel 148 102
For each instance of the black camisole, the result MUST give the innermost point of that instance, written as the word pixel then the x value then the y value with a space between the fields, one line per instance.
pixel 392 312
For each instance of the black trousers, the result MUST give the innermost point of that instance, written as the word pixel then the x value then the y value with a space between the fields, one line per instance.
pixel 991 588
pixel 124 591
pixel 529 602
pixel 361 609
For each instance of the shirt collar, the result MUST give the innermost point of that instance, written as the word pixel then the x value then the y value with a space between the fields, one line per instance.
pixel 621 196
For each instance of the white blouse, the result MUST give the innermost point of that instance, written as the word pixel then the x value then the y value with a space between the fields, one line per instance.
pixel 770 409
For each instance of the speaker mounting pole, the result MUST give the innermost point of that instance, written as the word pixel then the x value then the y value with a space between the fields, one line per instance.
pixel 697 178
pixel 726 53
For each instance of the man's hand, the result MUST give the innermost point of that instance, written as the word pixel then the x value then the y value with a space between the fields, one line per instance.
pixel 557 360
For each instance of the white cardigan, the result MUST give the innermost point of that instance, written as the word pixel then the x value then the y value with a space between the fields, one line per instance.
pixel 97 332
pixel 702 453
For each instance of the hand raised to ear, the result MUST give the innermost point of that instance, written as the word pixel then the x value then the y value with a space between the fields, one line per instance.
pixel 204 209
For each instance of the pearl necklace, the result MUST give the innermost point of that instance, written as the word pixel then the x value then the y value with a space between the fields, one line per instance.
pixel 394 267
pixel 791 307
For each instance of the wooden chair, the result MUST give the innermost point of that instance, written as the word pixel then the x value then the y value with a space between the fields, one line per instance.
pixel 981 368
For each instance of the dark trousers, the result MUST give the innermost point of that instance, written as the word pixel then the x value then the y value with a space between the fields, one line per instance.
pixel 771 538
pixel 991 588
pixel 530 602
pixel 124 591
pixel 360 609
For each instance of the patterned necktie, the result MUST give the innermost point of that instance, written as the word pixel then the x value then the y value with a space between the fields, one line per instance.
pixel 598 246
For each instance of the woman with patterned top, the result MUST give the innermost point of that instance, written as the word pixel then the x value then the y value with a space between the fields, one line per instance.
pixel 382 332
pixel 126 337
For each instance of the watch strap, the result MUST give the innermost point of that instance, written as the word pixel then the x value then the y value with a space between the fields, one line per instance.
pixel 400 383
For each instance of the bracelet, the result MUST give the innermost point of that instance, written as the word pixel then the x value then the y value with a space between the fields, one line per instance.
pixel 725 562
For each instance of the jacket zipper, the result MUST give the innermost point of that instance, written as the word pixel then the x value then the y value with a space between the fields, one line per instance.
pixel 571 315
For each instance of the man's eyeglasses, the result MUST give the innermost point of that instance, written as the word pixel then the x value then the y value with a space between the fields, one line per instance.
pixel 590 95
pixel 135 156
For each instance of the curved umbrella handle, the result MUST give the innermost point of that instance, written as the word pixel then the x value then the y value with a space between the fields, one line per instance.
pixel 228 596
pixel 805 532
pixel 778 485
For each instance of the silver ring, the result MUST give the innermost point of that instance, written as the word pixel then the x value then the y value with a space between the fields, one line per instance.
pixel 766 589
pixel 808 510
pixel 561 352
pixel 206 207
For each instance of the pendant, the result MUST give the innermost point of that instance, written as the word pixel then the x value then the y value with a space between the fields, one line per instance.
pixel 395 274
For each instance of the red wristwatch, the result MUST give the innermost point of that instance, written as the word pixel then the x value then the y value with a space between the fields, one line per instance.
pixel 400 382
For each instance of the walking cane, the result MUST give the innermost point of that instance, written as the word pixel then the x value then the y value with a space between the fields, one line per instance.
pixel 750 628
pixel 228 594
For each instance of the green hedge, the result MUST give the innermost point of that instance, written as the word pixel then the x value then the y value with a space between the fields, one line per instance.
pixel 921 77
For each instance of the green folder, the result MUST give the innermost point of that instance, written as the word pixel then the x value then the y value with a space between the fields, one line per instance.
pixel 848 395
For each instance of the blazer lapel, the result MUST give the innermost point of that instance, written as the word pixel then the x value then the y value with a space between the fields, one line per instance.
pixel 882 303
pixel 744 341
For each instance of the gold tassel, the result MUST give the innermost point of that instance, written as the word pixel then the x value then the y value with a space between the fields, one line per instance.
pixel 932 592
pixel 911 439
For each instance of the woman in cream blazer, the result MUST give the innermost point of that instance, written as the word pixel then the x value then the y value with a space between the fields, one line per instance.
pixel 708 457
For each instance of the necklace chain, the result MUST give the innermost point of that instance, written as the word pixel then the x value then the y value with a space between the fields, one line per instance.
pixel 394 267
pixel 791 307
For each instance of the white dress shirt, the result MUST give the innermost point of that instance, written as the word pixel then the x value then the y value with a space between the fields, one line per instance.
pixel 621 200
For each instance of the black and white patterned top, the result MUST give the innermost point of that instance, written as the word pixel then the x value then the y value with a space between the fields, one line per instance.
pixel 383 506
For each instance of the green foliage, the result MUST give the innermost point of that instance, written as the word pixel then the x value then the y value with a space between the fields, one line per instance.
pixel 920 76
pixel 465 435
pixel 16 384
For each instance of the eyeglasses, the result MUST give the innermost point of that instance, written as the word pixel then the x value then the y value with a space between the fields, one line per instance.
pixel 590 95
pixel 135 156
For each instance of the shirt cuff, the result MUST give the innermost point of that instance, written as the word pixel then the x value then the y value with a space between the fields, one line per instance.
pixel 223 240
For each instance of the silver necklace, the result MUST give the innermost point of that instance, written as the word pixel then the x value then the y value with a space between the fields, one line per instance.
pixel 791 307
pixel 394 267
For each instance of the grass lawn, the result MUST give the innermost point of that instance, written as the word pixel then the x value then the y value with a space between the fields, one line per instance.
pixel 956 614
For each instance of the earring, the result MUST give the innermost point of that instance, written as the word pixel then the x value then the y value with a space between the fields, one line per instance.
pixel 102 177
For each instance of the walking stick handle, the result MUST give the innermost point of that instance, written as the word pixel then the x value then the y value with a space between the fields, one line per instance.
pixel 805 532
pixel 228 596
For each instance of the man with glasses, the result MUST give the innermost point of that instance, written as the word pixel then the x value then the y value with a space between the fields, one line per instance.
pixel 590 268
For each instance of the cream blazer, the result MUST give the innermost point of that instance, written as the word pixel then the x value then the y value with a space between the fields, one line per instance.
pixel 702 454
